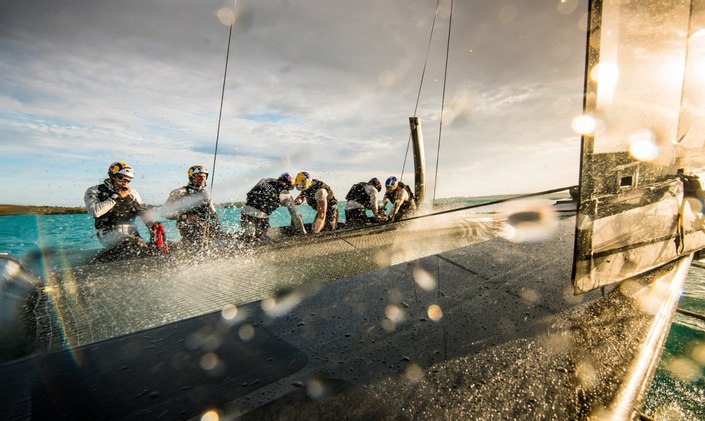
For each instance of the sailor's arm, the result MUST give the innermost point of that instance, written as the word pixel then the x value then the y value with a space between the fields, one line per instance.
pixel 374 198
pixel 94 206
pixel 296 220
pixel 321 208
pixel 398 201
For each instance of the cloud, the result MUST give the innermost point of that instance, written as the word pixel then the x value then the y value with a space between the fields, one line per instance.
pixel 325 87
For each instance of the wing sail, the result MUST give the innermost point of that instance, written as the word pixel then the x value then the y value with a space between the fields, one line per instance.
pixel 643 139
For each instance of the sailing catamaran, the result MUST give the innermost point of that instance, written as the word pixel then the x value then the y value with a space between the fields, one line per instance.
pixel 443 316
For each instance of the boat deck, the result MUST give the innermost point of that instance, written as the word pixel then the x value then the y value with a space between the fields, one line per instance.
pixel 497 334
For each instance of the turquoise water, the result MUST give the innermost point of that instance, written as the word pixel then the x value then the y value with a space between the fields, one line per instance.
pixel 672 395
pixel 21 234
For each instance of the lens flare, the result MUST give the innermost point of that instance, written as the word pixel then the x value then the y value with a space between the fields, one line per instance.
pixel 643 145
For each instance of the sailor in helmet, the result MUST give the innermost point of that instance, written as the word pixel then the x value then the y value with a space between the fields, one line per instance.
pixel 115 206
pixel 193 210
pixel 401 197
pixel 363 196
pixel 263 199
pixel 320 197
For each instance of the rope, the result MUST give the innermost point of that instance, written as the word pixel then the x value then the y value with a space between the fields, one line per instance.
pixel 418 95
pixel 222 97
pixel 443 101
pixel 493 202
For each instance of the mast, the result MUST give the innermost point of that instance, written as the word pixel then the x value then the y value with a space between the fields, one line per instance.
pixel 419 161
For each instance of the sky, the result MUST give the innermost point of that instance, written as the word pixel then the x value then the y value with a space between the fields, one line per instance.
pixel 320 86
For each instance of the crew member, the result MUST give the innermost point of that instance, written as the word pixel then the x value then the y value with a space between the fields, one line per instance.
pixel 363 196
pixel 320 197
pixel 402 198
pixel 265 197
pixel 193 210
pixel 115 206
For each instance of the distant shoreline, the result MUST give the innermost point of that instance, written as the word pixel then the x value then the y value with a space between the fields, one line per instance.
pixel 11 210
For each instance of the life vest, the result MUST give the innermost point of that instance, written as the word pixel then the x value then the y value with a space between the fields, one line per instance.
pixel 310 195
pixel 264 195
pixel 358 193
pixel 200 208
pixel 124 212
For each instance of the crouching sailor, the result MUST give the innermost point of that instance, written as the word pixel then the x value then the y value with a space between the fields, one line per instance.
pixel 193 210
pixel 401 197
pixel 263 199
pixel 363 196
pixel 320 197
pixel 115 205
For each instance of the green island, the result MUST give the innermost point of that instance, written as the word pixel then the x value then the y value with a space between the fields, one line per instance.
pixel 8 210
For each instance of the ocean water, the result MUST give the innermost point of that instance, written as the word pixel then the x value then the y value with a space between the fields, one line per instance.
pixel 21 234
pixel 678 390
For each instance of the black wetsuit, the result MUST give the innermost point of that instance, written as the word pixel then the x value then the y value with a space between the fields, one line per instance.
pixel 331 216
pixel 358 193
pixel 264 197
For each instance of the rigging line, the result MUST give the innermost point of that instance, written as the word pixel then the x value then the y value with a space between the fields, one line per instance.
pixel 443 101
pixel 222 97
pixel 418 95
pixel 685 66
pixel 492 202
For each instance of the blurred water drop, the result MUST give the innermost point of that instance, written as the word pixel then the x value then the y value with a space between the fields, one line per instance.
pixel 413 373
pixel 282 304
pixel 211 415
pixel 698 354
pixel 584 222
pixel 529 220
pixel 584 125
pixel 229 312
pixel 226 16
pixel 643 145
pixel 606 75
pixel 586 374
pixel 424 279
pixel 435 312
pixel 209 361
pixel 315 389
pixel 529 295
pixel 395 313
pixel 246 332
pixel 683 368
